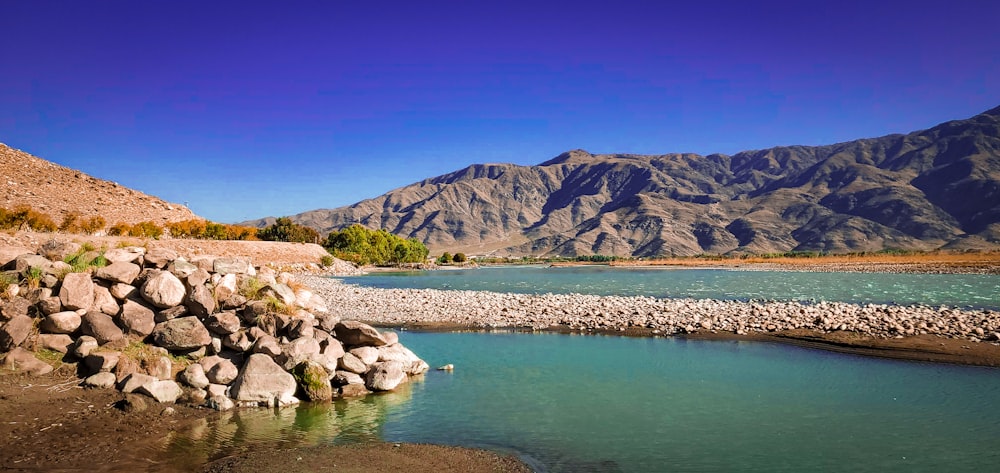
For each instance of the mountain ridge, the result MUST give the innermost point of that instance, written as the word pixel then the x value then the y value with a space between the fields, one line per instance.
pixel 899 191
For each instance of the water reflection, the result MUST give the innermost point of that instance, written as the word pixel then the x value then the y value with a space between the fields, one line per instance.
pixel 233 432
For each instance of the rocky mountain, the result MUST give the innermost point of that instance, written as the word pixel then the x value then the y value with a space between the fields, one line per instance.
pixel 936 188
pixel 56 190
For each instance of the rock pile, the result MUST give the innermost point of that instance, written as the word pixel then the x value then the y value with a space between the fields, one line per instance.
pixel 209 330
pixel 661 316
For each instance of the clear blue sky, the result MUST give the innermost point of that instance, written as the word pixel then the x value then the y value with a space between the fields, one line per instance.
pixel 248 109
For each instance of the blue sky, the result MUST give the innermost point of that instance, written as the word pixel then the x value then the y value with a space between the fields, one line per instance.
pixel 249 109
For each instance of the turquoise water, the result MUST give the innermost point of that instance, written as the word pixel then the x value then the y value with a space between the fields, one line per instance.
pixel 591 403
pixel 959 290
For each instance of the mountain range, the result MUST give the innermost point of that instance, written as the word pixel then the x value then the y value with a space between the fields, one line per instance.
pixel 932 189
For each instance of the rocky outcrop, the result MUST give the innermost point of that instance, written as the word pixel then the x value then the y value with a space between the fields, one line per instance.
pixel 895 192
pixel 242 350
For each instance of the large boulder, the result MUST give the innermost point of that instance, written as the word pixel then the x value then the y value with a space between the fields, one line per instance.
pixel 15 332
pixel 200 301
pixel 223 372
pixel 314 381
pixel 194 376
pixel 61 322
pixel 263 382
pixel 185 333
pixel 104 301
pixel 102 361
pixel 59 342
pixel 385 376
pixel 120 272
pixel 14 307
pixel 163 290
pixel 297 351
pixel 102 327
pixel 281 292
pixel 50 305
pixel 223 323
pixel 159 257
pixel 226 287
pixel 137 318
pixel 164 391
pixel 56 250
pixel 354 333
pixel 77 291
pixel 130 254
pixel 27 261
pixel 24 361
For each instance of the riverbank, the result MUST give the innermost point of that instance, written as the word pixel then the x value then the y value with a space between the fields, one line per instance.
pixel 50 423
pixel 940 334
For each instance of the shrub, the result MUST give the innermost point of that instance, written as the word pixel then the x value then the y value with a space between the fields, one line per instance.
pixel 93 224
pixel 326 260
pixel 146 229
pixel 119 229
pixel 284 229
pixel 444 258
pixel 69 223
pixel 459 258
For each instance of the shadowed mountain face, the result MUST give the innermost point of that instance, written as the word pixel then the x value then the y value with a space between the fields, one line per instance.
pixel 937 188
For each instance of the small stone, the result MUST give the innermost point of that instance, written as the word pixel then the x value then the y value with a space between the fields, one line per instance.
pixel 164 391
pixel 224 372
pixel 101 380
pixel 61 322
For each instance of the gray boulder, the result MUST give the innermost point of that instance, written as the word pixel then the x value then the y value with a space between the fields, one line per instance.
pixel 223 323
pixel 102 361
pixel 77 291
pixel 121 272
pixel 163 290
pixel 24 361
pixel 104 301
pixel 185 333
pixel 134 381
pixel 220 403
pixel 159 257
pixel 137 318
pixel 200 301
pixel 314 381
pixel 194 376
pixel 15 332
pixel 367 355
pixel 61 322
pixel 354 333
pixel 263 382
pixel 171 313
pixel 101 380
pixel 122 291
pixel 297 351
pixel 14 307
pixel 50 305
pixel 224 372
pixel 83 346
pixel 385 376
pixel 350 362
pixel 130 254
pixel 184 270
pixel 56 250
pixel 164 391
pixel 102 327
pixel 27 261
pixel 59 342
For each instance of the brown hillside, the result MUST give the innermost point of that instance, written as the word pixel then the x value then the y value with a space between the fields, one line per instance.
pixel 56 190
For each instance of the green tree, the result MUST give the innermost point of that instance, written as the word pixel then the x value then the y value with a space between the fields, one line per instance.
pixel 379 247
pixel 459 258
pixel 283 229
pixel 444 258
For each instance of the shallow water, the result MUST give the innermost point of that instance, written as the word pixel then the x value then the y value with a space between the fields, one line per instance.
pixel 958 290
pixel 592 403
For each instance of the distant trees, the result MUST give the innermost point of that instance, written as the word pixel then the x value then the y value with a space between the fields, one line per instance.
pixel 283 229
pixel 206 230
pixel 379 247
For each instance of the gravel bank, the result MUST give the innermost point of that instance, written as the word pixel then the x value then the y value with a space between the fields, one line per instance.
pixel 660 316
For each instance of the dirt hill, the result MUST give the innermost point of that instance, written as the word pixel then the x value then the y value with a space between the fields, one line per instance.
pixel 56 190
pixel 930 189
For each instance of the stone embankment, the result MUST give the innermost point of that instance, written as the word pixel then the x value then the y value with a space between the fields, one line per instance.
pixel 212 331
pixel 660 316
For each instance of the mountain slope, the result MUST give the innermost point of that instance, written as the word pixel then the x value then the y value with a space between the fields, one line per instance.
pixel 928 189
pixel 56 190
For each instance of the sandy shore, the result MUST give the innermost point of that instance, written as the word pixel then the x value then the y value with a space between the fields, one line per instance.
pixel 49 423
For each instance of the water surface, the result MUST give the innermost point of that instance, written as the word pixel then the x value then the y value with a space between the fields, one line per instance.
pixel 958 290
pixel 591 403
